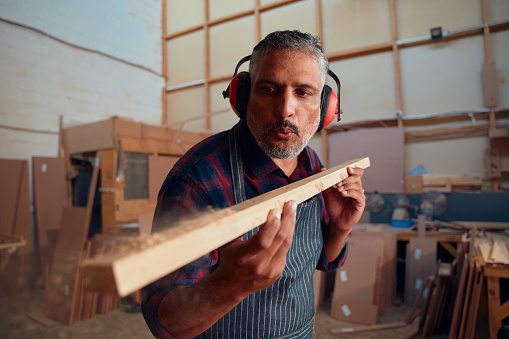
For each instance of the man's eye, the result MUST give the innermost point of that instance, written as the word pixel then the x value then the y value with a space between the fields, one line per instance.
pixel 303 93
pixel 268 89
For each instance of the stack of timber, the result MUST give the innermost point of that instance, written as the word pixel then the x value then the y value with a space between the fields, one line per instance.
pixel 445 183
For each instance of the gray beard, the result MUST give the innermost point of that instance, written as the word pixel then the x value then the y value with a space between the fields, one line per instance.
pixel 277 152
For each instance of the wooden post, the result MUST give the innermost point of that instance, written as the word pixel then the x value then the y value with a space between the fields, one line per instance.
pixel 142 264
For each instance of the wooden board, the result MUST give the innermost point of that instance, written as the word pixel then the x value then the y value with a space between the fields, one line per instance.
pixel 17 270
pixel 50 197
pixel 62 286
pixel 354 311
pixel 357 278
pixel 421 262
pixel 190 240
pixel 371 328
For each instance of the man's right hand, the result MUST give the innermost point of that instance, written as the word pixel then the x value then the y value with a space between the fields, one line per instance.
pixel 251 265
pixel 245 266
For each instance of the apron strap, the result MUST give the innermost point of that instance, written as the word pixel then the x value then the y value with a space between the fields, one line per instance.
pixel 236 164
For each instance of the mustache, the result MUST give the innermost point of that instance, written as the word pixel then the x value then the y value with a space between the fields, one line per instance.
pixel 284 124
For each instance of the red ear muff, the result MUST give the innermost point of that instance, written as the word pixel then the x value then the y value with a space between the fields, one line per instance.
pixel 238 90
pixel 328 108
pixel 329 105
pixel 239 93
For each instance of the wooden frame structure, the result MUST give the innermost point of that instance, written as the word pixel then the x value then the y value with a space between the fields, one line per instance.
pixel 112 138
pixel 394 45
pixel 153 257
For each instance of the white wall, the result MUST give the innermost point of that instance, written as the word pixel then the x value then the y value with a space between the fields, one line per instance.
pixel 42 78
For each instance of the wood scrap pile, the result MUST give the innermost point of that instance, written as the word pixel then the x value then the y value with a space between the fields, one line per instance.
pixel 452 299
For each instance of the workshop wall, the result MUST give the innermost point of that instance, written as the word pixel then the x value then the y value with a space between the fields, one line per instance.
pixel 85 61
pixel 203 47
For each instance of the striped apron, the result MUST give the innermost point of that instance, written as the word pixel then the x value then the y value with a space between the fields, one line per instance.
pixel 285 309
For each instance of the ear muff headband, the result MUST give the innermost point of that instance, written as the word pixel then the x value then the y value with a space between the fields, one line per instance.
pixel 240 86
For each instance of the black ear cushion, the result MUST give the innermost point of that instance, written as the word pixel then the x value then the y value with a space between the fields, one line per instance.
pixel 243 88
pixel 324 106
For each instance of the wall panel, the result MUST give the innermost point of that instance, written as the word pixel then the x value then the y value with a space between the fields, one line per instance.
pixel 227 48
pixel 186 58
pixel 182 15
pixel 186 104
pixel 223 8
pixel 500 54
pixel 498 10
pixel 443 77
pixel 436 157
pixel 367 90
pixel 416 17
pixel 300 15
pixel 352 24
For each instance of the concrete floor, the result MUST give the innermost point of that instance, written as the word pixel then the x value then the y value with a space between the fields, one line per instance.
pixel 14 323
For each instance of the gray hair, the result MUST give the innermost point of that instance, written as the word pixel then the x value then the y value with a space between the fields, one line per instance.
pixel 290 40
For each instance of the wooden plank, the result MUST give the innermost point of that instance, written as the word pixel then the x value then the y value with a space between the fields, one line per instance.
pixel 458 305
pixel 12 240
pixel 378 327
pixel 466 305
pixel 190 240
pixel 42 319
pixel 108 189
pixel 474 302
pixel 495 317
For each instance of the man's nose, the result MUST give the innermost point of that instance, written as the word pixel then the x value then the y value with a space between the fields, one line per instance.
pixel 286 105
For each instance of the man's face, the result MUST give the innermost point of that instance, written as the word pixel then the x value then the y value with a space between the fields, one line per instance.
pixel 284 102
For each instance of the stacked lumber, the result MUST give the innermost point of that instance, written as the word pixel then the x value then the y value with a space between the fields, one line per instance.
pixel 17 269
pixel 447 183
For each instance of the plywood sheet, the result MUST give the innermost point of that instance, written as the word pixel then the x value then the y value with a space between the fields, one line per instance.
pixel 73 229
pixel 50 197
pixel 360 281
pixel 61 294
pixel 15 215
pixel 384 146
pixel 353 310
pixel 421 261
pixel 158 169
pixel 17 270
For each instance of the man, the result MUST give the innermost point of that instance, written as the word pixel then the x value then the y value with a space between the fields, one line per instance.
pixel 259 286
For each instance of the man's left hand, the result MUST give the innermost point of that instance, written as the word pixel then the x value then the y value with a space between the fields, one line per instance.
pixel 345 202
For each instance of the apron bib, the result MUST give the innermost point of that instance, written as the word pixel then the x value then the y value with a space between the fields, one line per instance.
pixel 285 309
